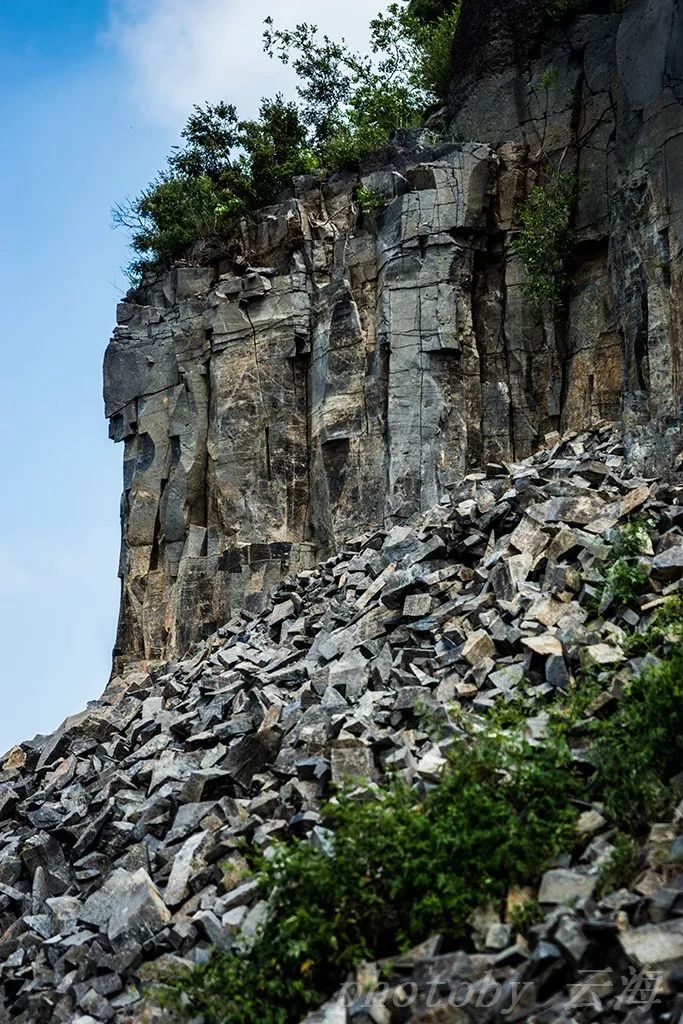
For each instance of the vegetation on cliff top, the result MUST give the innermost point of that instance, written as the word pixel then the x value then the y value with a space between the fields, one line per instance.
pixel 349 105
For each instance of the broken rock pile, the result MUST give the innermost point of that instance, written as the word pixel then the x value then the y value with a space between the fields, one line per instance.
pixel 115 831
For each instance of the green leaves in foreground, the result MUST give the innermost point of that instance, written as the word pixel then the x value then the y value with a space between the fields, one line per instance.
pixel 401 868
pixel 640 749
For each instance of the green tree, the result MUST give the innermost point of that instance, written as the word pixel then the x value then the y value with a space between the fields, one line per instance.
pixel 224 169
pixel 349 104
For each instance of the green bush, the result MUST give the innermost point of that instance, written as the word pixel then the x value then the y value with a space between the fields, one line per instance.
pixel 623 582
pixel 371 119
pixel 624 577
pixel 174 214
pixel 640 748
pixel 224 169
pixel 435 38
pixel 666 628
pixel 621 867
pixel 633 539
pixel 430 11
pixel 545 240
pixel 525 915
pixel 369 200
pixel 400 868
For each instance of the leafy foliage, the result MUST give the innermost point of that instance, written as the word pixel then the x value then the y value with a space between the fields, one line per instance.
pixel 633 539
pixel 621 867
pixel 435 37
pixel 624 580
pixel 225 168
pixel 349 105
pixel 353 103
pixel 549 78
pixel 665 629
pixel 369 200
pixel 624 577
pixel 525 915
pixel 545 240
pixel 640 748
pixel 400 867
pixel 429 11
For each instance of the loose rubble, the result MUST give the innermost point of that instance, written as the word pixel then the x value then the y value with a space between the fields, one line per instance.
pixel 120 834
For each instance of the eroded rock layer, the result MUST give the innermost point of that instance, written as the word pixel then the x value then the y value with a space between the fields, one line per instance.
pixel 343 369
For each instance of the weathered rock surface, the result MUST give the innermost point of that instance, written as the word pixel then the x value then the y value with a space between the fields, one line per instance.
pixel 120 836
pixel 343 371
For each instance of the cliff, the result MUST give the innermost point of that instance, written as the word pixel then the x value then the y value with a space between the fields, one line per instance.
pixel 341 371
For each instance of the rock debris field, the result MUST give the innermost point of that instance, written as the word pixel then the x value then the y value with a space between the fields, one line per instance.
pixel 115 830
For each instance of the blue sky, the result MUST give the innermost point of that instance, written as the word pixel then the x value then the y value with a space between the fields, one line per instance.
pixel 92 95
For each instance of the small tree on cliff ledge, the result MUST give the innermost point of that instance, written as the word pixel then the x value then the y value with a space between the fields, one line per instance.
pixel 349 104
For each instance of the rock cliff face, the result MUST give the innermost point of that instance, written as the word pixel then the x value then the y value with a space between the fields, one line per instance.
pixel 342 370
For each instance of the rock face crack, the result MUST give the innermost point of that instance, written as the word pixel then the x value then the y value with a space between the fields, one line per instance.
pixel 362 363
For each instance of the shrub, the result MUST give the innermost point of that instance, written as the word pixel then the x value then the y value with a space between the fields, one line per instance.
pixel 525 915
pixel 435 38
pixel 545 240
pixel 400 868
pixel 224 169
pixel 429 11
pixel 640 748
pixel 371 119
pixel 369 200
pixel 624 578
pixel 174 214
pixel 621 867
pixel 665 629
pixel 633 539
pixel 623 581
pixel 549 78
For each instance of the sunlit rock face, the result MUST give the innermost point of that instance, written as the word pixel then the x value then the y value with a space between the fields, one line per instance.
pixel 343 369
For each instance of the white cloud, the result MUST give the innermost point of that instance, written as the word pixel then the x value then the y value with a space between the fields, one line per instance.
pixel 182 52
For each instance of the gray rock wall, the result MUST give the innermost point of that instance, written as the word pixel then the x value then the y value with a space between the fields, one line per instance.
pixel 345 370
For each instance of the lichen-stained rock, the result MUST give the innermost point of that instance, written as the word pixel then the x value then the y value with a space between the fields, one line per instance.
pixel 343 370
pixel 426 252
